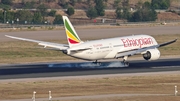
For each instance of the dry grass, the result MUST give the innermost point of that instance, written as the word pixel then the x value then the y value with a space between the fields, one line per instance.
pixel 167 16
pixel 172 49
pixel 19 52
pixel 132 98
pixel 156 84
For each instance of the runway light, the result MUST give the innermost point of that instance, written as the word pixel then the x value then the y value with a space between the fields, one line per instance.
pixel 50 97
pixel 176 91
pixel 34 96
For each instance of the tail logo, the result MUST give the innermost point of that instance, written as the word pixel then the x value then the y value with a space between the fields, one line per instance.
pixel 72 37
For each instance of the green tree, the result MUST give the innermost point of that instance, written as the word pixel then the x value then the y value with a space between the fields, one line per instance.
pixel 70 11
pixel 10 16
pixel 125 3
pixel 4 6
pixel 139 4
pixel 126 14
pixel 88 1
pixel 1 16
pixel 142 15
pixel 7 2
pixel 116 3
pixel 24 15
pixel 164 5
pixel 79 1
pixel 147 5
pixel 52 13
pixel 100 7
pixel 146 13
pixel 58 19
pixel 73 2
pixel 122 13
pixel 29 5
pixel 37 18
pixel 118 13
pixel 155 6
pixel 63 3
pixel 50 1
pixel 91 13
pixel 136 16
pixel 106 0
pixel 160 4
pixel 43 10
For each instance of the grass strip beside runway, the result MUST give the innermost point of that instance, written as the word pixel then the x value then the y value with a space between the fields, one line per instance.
pixel 149 84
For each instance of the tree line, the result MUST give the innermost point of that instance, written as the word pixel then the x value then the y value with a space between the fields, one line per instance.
pixel 144 11
pixel 25 16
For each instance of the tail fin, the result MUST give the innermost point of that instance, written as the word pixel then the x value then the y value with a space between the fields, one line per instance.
pixel 72 36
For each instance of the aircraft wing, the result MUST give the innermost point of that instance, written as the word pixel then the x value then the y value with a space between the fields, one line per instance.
pixel 167 43
pixel 54 46
pixel 142 50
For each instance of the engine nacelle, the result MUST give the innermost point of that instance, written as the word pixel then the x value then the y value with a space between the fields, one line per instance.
pixel 66 51
pixel 152 54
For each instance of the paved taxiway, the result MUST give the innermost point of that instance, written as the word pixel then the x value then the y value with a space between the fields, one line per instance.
pixel 95 33
pixel 46 69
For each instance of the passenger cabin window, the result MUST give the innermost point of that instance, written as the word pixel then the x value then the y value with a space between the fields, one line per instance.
pixel 104 47
pixel 117 45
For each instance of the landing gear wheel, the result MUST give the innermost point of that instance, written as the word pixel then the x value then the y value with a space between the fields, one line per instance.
pixel 126 64
pixel 97 63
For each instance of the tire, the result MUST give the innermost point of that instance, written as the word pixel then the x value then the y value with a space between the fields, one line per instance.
pixel 126 64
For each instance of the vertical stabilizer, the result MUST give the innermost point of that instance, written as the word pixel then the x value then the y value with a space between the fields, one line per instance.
pixel 72 37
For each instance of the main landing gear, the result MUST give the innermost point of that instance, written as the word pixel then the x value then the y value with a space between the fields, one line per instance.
pixel 97 63
pixel 125 61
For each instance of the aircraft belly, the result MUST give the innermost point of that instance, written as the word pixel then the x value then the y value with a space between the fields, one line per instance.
pixel 111 55
pixel 89 55
pixel 101 55
pixel 81 55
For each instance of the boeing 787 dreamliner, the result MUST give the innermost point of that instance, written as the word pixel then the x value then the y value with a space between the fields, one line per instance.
pixel 111 48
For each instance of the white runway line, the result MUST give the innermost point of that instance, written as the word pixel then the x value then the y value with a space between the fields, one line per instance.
pixel 165 67
pixel 90 97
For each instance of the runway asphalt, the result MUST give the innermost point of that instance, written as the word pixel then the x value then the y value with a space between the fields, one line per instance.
pixel 79 69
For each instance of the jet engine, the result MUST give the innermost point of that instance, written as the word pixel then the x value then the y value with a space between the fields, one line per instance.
pixel 152 54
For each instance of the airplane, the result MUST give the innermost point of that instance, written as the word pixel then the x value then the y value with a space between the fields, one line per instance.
pixel 110 48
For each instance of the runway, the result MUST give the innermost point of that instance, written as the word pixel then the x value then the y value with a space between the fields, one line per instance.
pixel 60 70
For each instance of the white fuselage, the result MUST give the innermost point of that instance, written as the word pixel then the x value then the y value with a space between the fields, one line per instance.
pixel 109 48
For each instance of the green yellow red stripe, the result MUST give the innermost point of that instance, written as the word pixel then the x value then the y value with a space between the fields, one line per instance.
pixel 72 37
